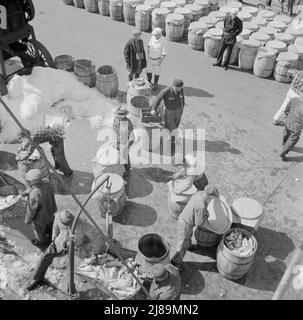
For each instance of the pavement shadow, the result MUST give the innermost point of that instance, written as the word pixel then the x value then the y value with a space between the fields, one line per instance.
pixel 8 161
pixel 297 149
pixel 137 214
pixel 156 174
pixel 195 92
pixel 295 159
pixel 137 184
pixel 80 183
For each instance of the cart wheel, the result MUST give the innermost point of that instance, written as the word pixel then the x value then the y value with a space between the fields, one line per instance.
pixel 29 9
pixel 44 58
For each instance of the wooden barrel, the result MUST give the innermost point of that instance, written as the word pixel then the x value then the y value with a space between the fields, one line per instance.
pixel 169 5
pixel 245 16
pixel 117 193
pixel 64 62
pixel 188 16
pixel 138 87
pixel 143 17
pixel 206 238
pixel 245 34
pixel 219 15
pixel 248 53
pixel 116 9
pixel 279 26
pixel 262 37
pixel 283 18
pixel 220 25
pixel 235 4
pixel 27 165
pixel 69 2
pixel 179 3
pixel 158 18
pixel 270 31
pixel 135 107
pixel 204 5
pixel 91 6
pixel 277 45
pixel 79 4
pixel 212 42
pixel 107 81
pixel 129 10
pixel 85 72
pixel 297 49
pixel 231 265
pixel 252 27
pixel 195 35
pixel 267 14
pixel 209 20
pixel 103 6
pixel 252 10
pixel 294 32
pixel 287 38
pixel 154 4
pixel 259 21
pixel 285 62
pixel 174 26
pixel 151 140
pixel 234 54
pixel 265 62
pixel 154 249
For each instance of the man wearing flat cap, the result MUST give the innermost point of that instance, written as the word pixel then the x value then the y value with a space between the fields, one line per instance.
pixel 232 28
pixel 166 282
pixel 124 130
pixel 41 206
pixel 194 214
pixel 134 55
pixel 60 242
pixel 173 98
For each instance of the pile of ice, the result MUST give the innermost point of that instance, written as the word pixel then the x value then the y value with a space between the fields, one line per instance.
pixel 50 96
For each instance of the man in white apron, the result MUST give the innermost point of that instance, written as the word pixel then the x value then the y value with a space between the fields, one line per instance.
pixel 156 53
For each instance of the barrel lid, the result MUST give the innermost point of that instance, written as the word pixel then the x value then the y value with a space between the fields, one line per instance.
pixel 220 25
pixel 175 17
pixel 284 37
pixel 268 30
pixel 219 14
pixel 152 2
pixel 220 216
pixel 235 4
pixel 247 208
pixel 179 2
pixel 249 9
pixel 267 14
pixel 202 3
pixel 277 24
pixel 244 15
pixel 251 43
pixel 198 27
pixel 294 31
pixel 143 7
pixel 119 2
pixel 194 8
pixel 183 11
pixel 168 4
pixel 215 32
pixel 260 36
pixel 267 52
pixel 133 2
pixel 250 26
pixel 107 155
pixel 259 21
pixel 283 18
pixel 160 11
pixel 115 179
pixel 225 9
pixel 182 186
pixel 298 49
pixel 299 40
pixel 245 33
pixel 279 45
pixel 287 56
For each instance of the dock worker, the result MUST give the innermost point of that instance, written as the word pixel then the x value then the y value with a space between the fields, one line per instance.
pixel 134 55
pixel 41 207
pixel 55 137
pixel 295 91
pixel 174 102
pixel 232 28
pixel 166 282
pixel 60 245
pixel 293 126
pixel 156 53
pixel 124 130
pixel 194 214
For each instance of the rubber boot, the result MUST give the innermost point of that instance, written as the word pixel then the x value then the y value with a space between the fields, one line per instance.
pixel 149 77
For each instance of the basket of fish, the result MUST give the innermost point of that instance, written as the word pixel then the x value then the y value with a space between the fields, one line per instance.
pixel 112 276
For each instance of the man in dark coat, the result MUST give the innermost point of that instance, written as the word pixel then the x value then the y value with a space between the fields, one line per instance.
pixel 41 207
pixel 293 126
pixel 134 55
pixel 232 28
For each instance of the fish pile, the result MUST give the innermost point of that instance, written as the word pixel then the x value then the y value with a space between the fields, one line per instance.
pixel 112 273
pixel 240 244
